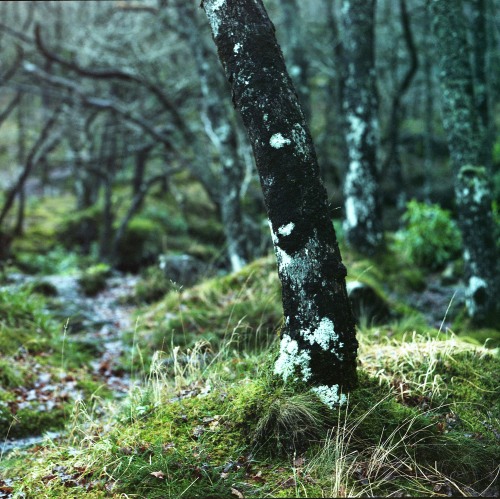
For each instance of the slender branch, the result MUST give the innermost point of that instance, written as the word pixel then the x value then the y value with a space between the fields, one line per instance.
pixel 12 70
pixel 137 202
pixel 16 34
pixel 113 73
pixel 12 105
pixel 41 146
pixel 99 103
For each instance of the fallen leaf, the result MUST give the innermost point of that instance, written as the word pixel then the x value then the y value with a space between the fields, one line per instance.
pixel 158 474
pixel 237 493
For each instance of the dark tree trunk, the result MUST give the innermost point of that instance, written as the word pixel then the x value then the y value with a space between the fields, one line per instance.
pixel 296 55
pixel 362 225
pixel 480 41
pixel 393 165
pixel 21 157
pixel 318 341
pixel 465 140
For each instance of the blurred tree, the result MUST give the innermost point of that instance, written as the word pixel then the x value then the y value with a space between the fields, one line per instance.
pixel 220 126
pixel 466 138
pixel 295 53
pixel 392 164
pixel 318 342
pixel 363 224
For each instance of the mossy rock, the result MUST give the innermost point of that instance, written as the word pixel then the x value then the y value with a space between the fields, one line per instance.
pixel 93 280
pixel 140 246
pixel 80 229
pixel 44 288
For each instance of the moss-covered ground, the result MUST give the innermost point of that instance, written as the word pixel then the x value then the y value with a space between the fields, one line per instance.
pixel 207 417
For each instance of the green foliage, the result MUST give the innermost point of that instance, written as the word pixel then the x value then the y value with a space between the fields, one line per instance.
pixel 430 238
pixel 55 261
pixel 93 279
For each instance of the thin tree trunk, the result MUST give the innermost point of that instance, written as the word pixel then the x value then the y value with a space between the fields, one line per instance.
pixel 44 143
pixel 393 165
pixel 220 127
pixel 21 156
pixel 362 226
pixel 465 139
pixel 318 342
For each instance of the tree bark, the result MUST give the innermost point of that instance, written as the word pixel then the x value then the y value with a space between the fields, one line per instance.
pixel 465 140
pixel 318 342
pixel 362 224
pixel 296 55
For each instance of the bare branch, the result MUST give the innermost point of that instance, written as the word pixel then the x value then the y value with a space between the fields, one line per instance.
pixel 12 105
pixel 41 146
pixel 113 73
pixel 99 103
pixel 12 70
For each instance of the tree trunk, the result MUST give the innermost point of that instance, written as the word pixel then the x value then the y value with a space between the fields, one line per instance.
pixel 465 140
pixel 219 125
pixel 296 55
pixel 318 342
pixel 362 225
pixel 480 41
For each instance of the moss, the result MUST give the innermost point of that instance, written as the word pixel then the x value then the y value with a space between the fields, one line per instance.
pixel 245 306
pixel 31 421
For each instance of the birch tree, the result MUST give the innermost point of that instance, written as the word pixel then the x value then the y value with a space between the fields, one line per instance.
pixel 465 135
pixel 362 224
pixel 318 342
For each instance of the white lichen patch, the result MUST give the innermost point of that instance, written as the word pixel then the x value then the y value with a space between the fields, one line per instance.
pixel 357 128
pixel 475 284
pixel 212 8
pixel 324 335
pixel 291 358
pixel 350 213
pixel 237 48
pixel 278 141
pixel 329 395
pixel 284 259
pixel 273 235
pixel 286 230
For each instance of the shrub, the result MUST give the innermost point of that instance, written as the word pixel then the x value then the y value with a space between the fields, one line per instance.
pixel 431 238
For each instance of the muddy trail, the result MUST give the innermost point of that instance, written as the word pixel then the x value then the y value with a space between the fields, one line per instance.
pixel 97 324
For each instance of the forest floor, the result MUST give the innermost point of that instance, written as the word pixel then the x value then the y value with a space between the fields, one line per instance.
pixel 207 418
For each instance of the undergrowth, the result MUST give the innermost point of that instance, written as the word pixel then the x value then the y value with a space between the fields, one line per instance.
pixel 422 422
